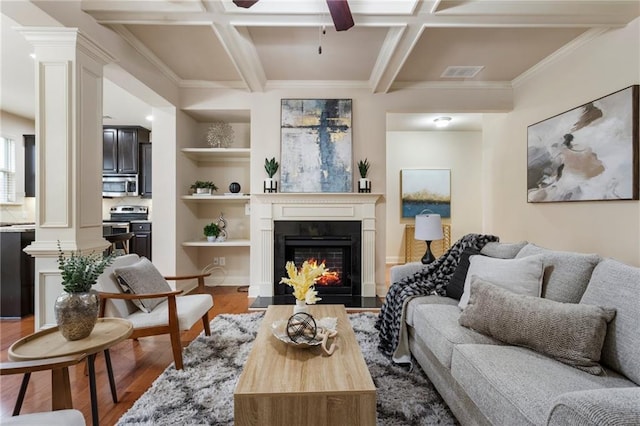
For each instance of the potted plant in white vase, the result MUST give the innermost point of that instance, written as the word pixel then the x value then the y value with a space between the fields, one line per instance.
pixel 76 310
pixel 271 167
pixel 211 231
pixel 201 187
pixel 364 183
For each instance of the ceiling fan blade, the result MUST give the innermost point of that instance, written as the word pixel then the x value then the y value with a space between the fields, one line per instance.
pixel 341 14
pixel 245 3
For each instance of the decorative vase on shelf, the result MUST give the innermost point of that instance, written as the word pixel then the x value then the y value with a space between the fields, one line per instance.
pixel 211 238
pixel 364 185
pixel 270 185
pixel 300 306
pixel 77 314
pixel 234 187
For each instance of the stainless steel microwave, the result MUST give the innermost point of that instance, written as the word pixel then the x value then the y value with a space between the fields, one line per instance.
pixel 120 185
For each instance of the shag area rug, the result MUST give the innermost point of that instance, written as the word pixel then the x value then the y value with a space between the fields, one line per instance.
pixel 202 393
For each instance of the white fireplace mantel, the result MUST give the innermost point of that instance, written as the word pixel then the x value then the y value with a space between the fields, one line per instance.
pixel 267 208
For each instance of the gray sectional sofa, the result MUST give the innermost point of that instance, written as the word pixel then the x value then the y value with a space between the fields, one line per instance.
pixel 487 381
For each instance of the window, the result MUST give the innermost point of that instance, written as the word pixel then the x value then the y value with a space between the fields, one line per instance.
pixel 7 170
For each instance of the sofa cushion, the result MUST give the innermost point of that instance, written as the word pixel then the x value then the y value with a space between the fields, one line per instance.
pixel 566 273
pixel 437 326
pixel 432 299
pixel 618 285
pixel 142 278
pixel 516 386
pixel 108 282
pixel 502 250
pixel 455 288
pixel 597 407
pixel 523 276
pixel 571 333
pixel 190 309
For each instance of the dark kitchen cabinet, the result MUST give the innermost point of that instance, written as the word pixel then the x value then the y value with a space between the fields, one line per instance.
pixel 29 165
pixel 120 146
pixel 17 270
pixel 145 170
pixel 141 241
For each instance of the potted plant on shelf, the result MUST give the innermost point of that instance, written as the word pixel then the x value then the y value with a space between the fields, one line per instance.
pixel 211 231
pixel 271 167
pixel 201 187
pixel 76 310
pixel 364 183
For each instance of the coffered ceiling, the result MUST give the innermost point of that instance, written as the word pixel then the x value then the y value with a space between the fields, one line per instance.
pixel 394 44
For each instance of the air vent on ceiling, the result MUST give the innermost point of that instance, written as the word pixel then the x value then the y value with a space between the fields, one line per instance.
pixel 462 71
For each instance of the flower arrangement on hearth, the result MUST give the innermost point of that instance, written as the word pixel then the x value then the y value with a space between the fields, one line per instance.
pixel 303 280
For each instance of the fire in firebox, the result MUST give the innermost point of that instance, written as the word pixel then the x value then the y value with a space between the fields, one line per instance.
pixel 328 278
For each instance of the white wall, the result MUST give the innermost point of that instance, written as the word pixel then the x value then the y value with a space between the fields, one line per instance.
pixel 459 152
pixel 369 129
pixel 14 127
pixel 611 228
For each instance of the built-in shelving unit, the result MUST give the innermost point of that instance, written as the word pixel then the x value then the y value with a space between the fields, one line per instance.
pixel 228 243
pixel 221 166
pixel 209 198
pixel 213 154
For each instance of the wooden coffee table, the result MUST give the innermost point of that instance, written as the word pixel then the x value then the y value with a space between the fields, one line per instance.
pixel 283 385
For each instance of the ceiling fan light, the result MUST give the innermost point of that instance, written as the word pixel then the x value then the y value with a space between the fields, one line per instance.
pixel 442 121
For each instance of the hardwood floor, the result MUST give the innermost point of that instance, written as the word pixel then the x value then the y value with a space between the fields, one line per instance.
pixel 136 364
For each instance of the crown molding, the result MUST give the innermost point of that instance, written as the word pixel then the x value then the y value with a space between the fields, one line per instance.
pixel 477 85
pixel 565 50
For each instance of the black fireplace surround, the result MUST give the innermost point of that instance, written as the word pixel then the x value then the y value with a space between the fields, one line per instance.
pixel 337 243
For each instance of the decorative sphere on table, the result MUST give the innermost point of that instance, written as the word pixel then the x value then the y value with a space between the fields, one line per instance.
pixel 234 187
pixel 302 328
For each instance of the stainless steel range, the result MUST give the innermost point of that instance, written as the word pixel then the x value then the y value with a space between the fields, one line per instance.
pixel 125 213
pixel 134 219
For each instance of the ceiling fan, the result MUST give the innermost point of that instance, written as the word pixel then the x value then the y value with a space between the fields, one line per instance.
pixel 340 12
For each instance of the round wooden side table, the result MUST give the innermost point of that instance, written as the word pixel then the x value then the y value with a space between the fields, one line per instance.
pixel 50 343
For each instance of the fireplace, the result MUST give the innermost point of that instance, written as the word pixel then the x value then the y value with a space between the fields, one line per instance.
pixel 315 214
pixel 337 244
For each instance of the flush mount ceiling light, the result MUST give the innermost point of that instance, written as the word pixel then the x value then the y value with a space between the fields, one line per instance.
pixel 149 117
pixel 442 121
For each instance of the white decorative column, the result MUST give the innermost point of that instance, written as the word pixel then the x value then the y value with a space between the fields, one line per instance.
pixel 68 155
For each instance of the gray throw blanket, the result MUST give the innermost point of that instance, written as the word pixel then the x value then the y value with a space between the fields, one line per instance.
pixel 433 279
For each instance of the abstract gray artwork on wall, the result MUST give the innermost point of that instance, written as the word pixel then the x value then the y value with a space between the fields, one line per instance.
pixel 316 145
pixel 587 153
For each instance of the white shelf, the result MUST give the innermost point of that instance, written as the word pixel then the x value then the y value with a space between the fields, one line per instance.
pixel 228 243
pixel 213 154
pixel 209 198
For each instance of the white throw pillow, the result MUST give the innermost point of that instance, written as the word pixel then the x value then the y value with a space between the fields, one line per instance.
pixel 521 276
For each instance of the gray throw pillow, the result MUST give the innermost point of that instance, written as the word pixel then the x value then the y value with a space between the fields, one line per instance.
pixel 618 285
pixel 568 332
pixel 143 278
pixel 566 273
pixel 522 276
pixel 502 250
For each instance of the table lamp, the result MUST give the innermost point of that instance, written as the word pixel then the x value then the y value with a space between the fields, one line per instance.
pixel 428 228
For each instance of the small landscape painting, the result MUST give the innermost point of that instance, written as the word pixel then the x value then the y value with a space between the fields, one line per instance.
pixel 587 153
pixel 425 189
pixel 316 145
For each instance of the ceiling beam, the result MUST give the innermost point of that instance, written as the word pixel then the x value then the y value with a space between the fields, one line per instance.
pixel 387 68
pixel 239 46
